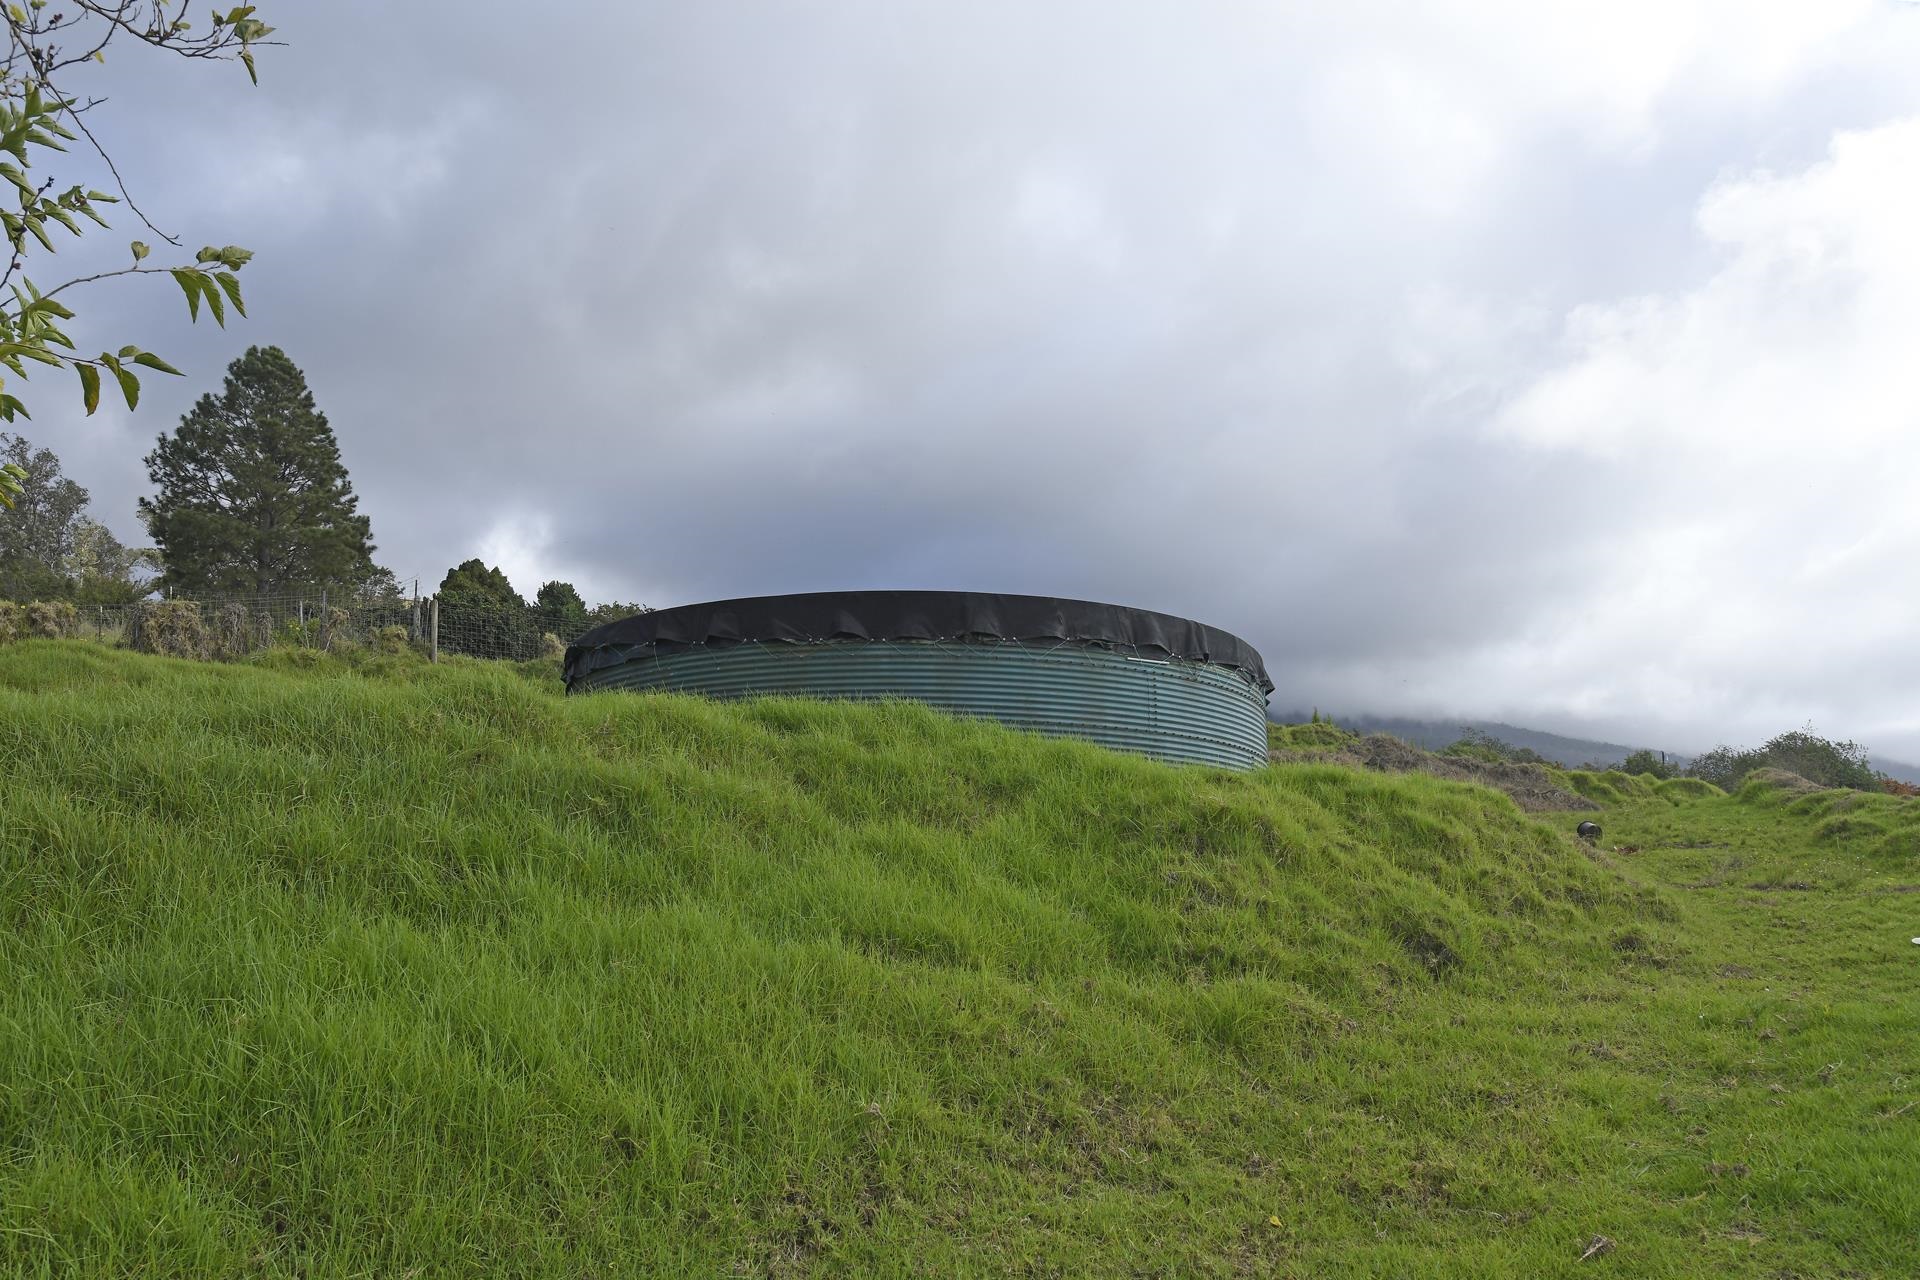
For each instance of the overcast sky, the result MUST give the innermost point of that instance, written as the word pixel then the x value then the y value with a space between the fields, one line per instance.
pixel 1548 362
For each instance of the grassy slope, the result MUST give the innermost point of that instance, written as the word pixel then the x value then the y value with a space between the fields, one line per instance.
pixel 323 973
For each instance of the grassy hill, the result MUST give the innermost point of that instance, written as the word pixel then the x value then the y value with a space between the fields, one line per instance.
pixel 1568 752
pixel 327 970
pixel 1434 734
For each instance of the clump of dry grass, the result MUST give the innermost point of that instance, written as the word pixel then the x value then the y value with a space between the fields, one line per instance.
pixel 233 631
pixel 336 632
pixel 52 620
pixel 171 628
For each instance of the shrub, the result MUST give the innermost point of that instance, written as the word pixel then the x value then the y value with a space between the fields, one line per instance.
pixel 1819 760
pixel 393 639
pixel 1723 766
pixel 1645 761
pixel 1831 764
pixel 291 633
pixel 552 648
pixel 11 621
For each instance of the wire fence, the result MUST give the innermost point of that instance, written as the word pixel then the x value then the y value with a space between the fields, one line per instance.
pixel 233 627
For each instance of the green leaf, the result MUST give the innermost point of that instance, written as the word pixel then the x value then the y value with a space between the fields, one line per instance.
pixel 215 303
pixel 231 285
pixel 152 361
pixel 89 386
pixel 129 385
pixel 246 56
pixel 189 281
pixel 35 223
pixel 35 353
pixel 10 405
pixel 140 250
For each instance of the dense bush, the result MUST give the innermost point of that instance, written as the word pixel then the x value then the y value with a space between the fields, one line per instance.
pixel 1819 760
pixel 1645 761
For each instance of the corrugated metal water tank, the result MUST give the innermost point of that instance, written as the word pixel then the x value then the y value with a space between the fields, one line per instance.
pixel 1128 679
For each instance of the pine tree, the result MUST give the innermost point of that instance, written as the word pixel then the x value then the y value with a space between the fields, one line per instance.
pixel 561 603
pixel 473 582
pixel 483 615
pixel 253 498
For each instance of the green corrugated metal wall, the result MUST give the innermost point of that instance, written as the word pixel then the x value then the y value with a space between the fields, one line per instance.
pixel 1185 712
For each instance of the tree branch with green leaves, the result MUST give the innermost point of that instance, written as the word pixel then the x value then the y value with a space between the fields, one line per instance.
pixel 37 117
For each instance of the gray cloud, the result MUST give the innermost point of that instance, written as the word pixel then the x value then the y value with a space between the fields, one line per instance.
pixel 1277 320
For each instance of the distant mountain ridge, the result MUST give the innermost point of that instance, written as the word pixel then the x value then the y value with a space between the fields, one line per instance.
pixel 1559 748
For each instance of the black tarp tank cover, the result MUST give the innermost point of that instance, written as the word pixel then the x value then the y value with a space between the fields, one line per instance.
pixel 952 616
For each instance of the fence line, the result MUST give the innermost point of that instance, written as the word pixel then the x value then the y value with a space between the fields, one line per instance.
pixel 232 626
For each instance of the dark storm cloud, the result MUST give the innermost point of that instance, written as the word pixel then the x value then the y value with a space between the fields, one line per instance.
pixel 1209 310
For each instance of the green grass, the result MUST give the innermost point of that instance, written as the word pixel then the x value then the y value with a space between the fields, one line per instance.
pixel 1323 735
pixel 318 969
pixel 1611 786
pixel 1682 790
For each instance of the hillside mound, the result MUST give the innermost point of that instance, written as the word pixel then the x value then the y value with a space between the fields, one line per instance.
pixel 431 971
pixel 1873 823
pixel 1533 787
pixel 1678 790
pixel 1776 783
